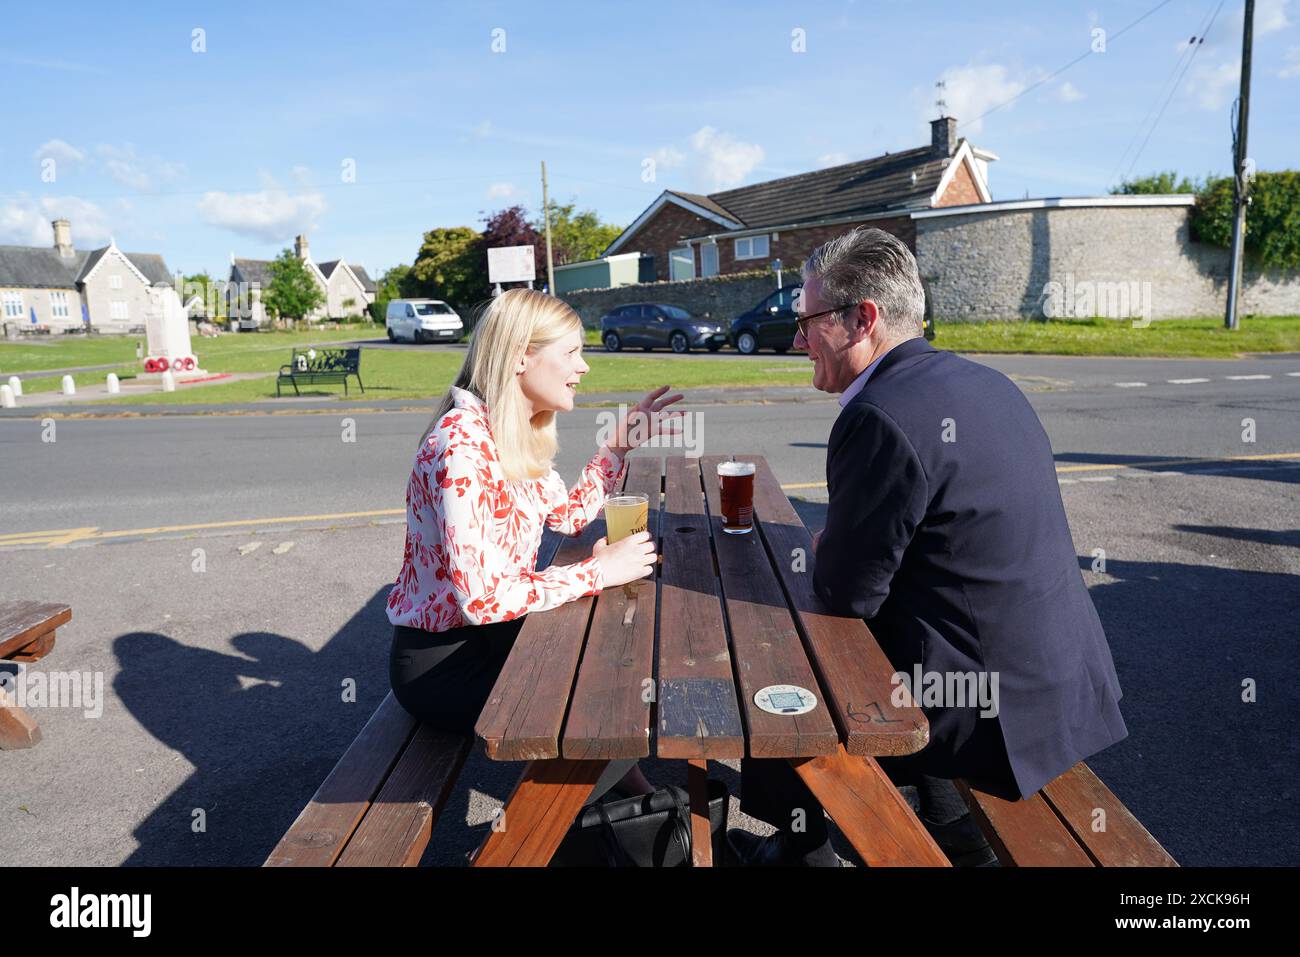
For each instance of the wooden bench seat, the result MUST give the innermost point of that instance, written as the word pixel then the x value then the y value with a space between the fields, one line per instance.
pixel 378 806
pixel 27 630
pixel 1055 827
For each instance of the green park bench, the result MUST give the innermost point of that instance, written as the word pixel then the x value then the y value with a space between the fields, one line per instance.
pixel 321 365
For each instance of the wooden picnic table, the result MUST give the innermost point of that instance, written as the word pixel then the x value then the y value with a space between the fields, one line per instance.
pixel 27 630
pixel 724 617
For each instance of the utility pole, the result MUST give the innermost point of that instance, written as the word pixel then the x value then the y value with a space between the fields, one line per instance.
pixel 546 213
pixel 1240 182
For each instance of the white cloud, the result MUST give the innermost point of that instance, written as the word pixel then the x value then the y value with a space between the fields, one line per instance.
pixel 137 172
pixel 270 214
pixel 25 221
pixel 668 157
pixel 971 91
pixel 1067 92
pixel 60 151
pixel 501 190
pixel 1292 68
pixel 832 159
pixel 724 160
pixel 1213 84
pixel 483 129
pixel 1270 16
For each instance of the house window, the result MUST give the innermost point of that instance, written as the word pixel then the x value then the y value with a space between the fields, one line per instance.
pixel 708 259
pixel 13 305
pixel 118 309
pixel 751 247
pixel 115 281
pixel 681 263
pixel 58 305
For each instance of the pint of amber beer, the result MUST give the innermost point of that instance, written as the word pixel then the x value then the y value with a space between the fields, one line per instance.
pixel 737 481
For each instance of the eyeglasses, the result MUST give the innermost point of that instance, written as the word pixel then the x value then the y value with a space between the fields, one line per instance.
pixel 802 321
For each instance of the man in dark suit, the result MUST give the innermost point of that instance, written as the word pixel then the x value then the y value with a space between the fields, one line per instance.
pixel 946 533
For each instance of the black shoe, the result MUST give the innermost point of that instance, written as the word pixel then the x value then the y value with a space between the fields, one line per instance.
pixel 963 842
pixel 778 850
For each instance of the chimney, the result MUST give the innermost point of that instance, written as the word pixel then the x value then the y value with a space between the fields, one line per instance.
pixel 943 136
pixel 63 237
pixel 300 247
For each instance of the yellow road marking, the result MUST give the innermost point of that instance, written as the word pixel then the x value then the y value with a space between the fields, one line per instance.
pixel 64 536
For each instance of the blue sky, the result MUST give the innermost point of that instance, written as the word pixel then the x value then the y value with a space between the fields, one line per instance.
pixel 236 148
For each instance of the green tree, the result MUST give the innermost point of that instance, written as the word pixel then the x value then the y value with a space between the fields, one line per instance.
pixel 209 290
pixel 576 237
pixel 1272 218
pixel 447 267
pixel 292 292
pixel 395 283
pixel 1166 182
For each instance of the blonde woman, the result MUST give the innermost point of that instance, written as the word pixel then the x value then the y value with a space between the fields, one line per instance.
pixel 482 489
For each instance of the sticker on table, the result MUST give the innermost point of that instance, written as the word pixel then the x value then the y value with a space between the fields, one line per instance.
pixel 785 699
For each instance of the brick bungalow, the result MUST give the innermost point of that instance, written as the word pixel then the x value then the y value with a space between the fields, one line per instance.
pixel 695 236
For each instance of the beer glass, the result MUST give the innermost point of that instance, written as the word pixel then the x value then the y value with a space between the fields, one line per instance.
pixel 626 515
pixel 737 493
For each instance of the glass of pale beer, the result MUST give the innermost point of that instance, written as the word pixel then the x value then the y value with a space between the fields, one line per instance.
pixel 626 515
pixel 737 493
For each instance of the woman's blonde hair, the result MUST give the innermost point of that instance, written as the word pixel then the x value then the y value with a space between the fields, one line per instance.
pixel 516 321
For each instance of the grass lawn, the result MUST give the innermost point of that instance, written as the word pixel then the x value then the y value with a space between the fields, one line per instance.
pixel 420 375
pixel 1193 338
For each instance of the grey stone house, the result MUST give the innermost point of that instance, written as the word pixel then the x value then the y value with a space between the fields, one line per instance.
pixel 347 288
pixel 61 287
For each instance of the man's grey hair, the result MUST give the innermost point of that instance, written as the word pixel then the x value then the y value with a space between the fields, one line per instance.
pixel 871 264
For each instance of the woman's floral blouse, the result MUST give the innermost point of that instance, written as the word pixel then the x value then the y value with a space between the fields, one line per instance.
pixel 472 537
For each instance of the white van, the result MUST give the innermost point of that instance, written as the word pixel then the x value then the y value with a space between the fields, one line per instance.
pixel 423 320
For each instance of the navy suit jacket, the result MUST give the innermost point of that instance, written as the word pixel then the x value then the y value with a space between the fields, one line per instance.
pixel 946 534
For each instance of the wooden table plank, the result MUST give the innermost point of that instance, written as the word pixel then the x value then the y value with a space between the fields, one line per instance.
pixel 609 710
pixel 871 812
pixel 1077 795
pixel 764 643
pixel 325 825
pixel 853 671
pixel 697 711
pixel 525 712
pixel 23 622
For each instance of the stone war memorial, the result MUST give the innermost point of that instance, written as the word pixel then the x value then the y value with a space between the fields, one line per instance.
pixel 167 334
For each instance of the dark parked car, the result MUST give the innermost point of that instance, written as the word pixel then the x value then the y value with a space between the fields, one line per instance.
pixel 770 324
pixel 653 324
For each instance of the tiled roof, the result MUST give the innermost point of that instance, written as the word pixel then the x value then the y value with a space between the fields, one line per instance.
pixel 254 270
pixel 37 267
pixel 366 282
pixel 892 181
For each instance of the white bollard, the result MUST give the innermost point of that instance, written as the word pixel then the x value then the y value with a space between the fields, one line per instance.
pixel 68 387
pixel 168 381
pixel 16 384
pixel 112 384
pixel 7 397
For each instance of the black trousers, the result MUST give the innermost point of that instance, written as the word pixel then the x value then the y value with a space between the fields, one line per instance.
pixel 772 791
pixel 444 679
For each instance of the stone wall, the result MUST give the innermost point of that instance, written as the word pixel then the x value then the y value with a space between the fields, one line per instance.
pixel 1119 261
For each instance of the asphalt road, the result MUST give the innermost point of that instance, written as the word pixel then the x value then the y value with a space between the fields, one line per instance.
pixel 222 686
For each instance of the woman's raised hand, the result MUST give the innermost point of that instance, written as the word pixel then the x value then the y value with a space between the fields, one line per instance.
pixel 626 560
pixel 647 419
